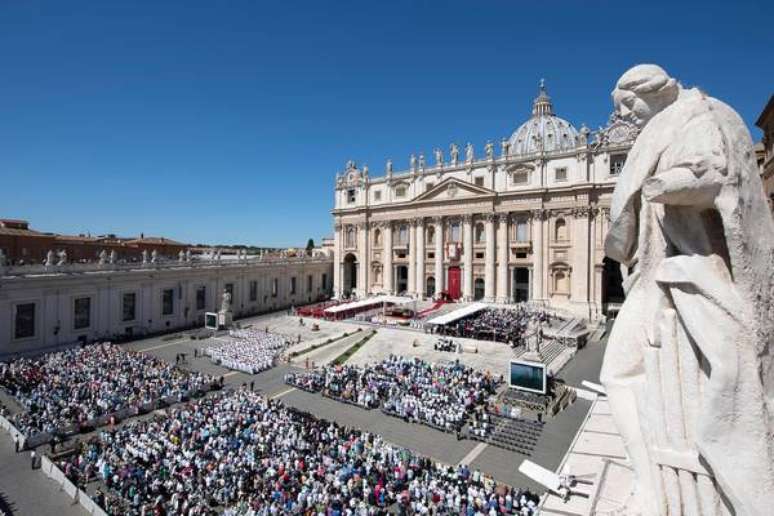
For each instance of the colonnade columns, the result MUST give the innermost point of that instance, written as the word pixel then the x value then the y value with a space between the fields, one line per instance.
pixel 387 261
pixel 489 257
pixel 503 296
pixel 412 258
pixel 337 260
pixel 537 253
pixel 363 255
pixel 439 278
pixel 420 257
pixel 467 258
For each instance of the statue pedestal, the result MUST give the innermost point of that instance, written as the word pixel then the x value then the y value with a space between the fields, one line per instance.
pixel 225 319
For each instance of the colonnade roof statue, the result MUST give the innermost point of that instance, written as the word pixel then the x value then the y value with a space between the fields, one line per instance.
pixel 688 367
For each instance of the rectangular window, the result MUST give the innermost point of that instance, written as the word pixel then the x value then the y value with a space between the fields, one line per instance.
pixel 479 181
pixel 403 235
pixel 324 281
pixel 274 287
pixel 400 192
pixel 309 283
pixel 293 285
pixel 560 174
pixel 617 163
pixel 167 301
pixel 81 313
pixel 377 195
pixel 520 178
pixel 129 307
pixel 24 321
pixel 479 256
pixel 454 231
pixel 351 195
pixel 253 291
pixel 201 298
pixel 431 255
pixel 522 234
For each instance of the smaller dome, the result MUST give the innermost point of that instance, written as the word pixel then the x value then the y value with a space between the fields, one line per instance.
pixel 544 130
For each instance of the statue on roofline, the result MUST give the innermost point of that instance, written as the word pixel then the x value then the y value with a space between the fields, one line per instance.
pixel 688 366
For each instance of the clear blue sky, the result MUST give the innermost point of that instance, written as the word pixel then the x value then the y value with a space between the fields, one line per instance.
pixel 227 121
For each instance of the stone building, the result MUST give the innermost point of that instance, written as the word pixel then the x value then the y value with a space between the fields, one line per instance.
pixel 525 221
pixel 47 306
pixel 766 124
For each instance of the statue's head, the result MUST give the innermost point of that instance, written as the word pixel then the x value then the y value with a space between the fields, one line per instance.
pixel 644 91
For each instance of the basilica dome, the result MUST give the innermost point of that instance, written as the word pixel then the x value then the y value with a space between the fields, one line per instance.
pixel 544 130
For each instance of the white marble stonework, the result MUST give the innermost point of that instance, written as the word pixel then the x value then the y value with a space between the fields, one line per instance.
pixel 688 367
pixel 523 220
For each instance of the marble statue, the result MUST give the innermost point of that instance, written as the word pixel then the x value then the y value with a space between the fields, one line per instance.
pixel 489 149
pixel 62 257
pixel 113 256
pixel 454 150
pixel 504 147
pixel 188 255
pixel 413 162
pixel 154 256
pixel 688 367
pixel 144 256
pixel 225 305
pixel 438 157
pixel 102 257
pixel 388 167
pixel 469 153
pixel 365 171
pixel 2 258
pixel 50 258
pixel 421 161
pixel 181 256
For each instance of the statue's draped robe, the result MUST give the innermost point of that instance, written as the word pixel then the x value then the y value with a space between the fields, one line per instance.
pixel 688 366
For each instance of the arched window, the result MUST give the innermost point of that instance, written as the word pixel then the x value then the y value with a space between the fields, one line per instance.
pixel 377 237
pixel 561 282
pixel 480 235
pixel 431 234
pixel 560 230
pixel 478 289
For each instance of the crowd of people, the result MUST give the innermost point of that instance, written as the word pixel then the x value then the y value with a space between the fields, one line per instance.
pixel 71 388
pixel 238 453
pixel 439 395
pixel 447 345
pixel 507 325
pixel 249 350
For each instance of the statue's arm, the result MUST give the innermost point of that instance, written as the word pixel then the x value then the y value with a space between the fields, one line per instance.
pixel 693 168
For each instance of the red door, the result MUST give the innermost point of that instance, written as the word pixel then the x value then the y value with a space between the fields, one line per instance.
pixel 454 282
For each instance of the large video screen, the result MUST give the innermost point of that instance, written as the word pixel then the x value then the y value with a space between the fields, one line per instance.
pixel 528 376
pixel 211 320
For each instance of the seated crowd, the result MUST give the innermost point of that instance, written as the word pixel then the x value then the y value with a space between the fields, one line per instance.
pixel 500 324
pixel 238 453
pixel 439 395
pixel 70 388
pixel 250 351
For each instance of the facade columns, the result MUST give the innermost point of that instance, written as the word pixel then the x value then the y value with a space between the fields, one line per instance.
pixel 537 253
pixel 582 262
pixel 420 236
pixel 363 259
pixel 503 296
pixel 412 258
pixel 489 257
pixel 439 277
pixel 337 258
pixel 467 258
pixel 387 284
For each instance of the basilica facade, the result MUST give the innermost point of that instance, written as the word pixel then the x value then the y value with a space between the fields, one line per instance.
pixel 525 221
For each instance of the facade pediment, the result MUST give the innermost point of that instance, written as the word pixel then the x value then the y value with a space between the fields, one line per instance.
pixel 454 189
